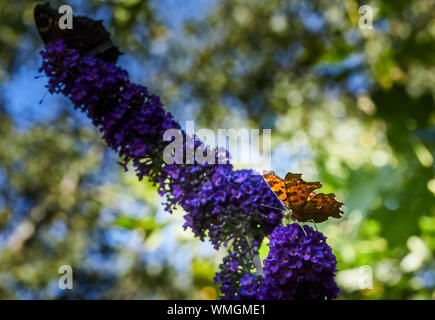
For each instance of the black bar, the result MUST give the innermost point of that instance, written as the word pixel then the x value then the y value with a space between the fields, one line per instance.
pixel 157 309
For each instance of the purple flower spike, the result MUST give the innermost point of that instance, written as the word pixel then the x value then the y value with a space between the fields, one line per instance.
pixel 305 275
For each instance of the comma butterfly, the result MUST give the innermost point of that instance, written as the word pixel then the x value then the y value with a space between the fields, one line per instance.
pixel 302 202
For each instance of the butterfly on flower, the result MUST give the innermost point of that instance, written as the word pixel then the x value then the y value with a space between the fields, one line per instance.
pixel 88 36
pixel 301 201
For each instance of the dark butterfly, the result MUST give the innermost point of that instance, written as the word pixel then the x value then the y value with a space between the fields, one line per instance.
pixel 88 36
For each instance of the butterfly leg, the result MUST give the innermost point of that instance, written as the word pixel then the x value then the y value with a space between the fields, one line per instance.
pixel 315 225
pixel 302 227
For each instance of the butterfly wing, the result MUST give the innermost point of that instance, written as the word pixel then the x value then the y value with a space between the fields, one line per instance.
pixel 276 184
pixel 321 207
pixel 305 204
pixel 298 190
pixel 90 37
pixel 46 20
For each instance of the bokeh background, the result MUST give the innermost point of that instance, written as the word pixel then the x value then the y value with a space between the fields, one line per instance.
pixel 351 108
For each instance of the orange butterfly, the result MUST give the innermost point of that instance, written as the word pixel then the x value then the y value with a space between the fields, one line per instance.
pixel 303 204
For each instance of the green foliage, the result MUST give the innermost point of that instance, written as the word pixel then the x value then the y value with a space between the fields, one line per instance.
pixel 263 251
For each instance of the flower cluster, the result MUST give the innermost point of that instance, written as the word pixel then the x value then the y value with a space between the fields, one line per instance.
pixel 235 277
pixel 299 266
pixel 221 203
pixel 225 204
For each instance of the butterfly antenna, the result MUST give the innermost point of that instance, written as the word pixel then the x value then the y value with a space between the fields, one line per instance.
pixel 264 205
pixel 39 76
